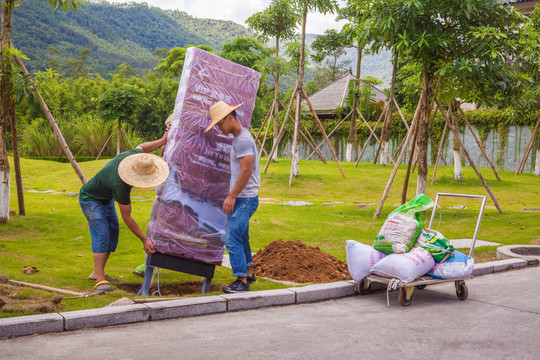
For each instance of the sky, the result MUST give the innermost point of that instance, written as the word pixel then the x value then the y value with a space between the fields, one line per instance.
pixel 237 11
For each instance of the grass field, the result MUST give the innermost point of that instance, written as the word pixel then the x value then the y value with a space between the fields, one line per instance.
pixel 54 235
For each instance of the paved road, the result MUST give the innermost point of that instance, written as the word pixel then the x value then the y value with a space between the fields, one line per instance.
pixel 500 320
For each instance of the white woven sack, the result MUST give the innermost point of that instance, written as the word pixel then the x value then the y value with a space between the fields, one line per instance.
pixel 361 258
pixel 399 230
pixel 405 267
pixel 457 266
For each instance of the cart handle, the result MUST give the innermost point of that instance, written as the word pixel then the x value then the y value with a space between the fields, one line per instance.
pixel 480 214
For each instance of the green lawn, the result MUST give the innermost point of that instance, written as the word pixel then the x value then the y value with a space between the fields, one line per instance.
pixel 54 236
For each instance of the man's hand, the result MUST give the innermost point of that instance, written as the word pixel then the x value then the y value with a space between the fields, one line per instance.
pixel 148 246
pixel 228 204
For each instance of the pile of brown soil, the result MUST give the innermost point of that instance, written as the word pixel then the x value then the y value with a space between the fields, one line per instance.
pixel 297 262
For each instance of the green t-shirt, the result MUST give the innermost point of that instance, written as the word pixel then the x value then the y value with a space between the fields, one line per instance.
pixel 106 185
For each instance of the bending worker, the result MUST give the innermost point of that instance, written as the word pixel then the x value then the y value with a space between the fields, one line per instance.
pixel 114 183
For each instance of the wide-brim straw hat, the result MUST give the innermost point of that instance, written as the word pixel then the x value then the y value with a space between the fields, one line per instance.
pixel 218 111
pixel 143 170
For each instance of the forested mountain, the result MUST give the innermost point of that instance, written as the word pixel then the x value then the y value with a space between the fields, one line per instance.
pixel 101 36
pixel 114 33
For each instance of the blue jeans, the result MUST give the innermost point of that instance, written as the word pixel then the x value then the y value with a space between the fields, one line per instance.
pixel 237 236
pixel 103 223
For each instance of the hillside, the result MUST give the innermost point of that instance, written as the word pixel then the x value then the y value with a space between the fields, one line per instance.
pixel 115 33
pixel 129 33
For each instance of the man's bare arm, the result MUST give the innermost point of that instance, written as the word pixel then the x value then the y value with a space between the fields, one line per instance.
pixel 125 210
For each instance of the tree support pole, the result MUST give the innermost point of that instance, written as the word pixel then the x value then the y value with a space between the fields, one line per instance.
pixel 281 132
pixel 323 131
pixel 456 135
pixel 54 126
pixel 409 164
pixel 396 165
pixel 17 164
pixel 369 137
pixel 331 133
pixel 479 143
pixel 528 148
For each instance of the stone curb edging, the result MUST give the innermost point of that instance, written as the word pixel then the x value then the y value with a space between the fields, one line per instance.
pixel 125 314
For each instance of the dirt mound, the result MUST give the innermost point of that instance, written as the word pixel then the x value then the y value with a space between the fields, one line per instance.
pixel 297 262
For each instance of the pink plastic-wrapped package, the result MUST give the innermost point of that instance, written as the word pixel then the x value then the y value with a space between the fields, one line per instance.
pixel 187 218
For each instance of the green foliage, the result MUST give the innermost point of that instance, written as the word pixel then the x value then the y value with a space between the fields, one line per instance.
pixel 330 47
pixel 173 64
pixel 278 20
pixel 120 104
pixel 115 33
pixel 245 51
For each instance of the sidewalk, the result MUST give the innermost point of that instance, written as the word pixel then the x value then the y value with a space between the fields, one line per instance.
pixel 109 316
pixel 499 320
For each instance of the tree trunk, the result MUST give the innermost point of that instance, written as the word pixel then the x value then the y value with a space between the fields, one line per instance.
pixel 458 173
pixel 351 140
pixel 276 105
pixel 17 163
pixel 6 104
pixel 299 86
pixel 537 164
pixel 423 136
pixel 388 121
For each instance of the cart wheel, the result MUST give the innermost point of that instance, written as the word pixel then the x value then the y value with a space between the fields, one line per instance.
pixel 364 287
pixel 420 287
pixel 461 291
pixel 403 298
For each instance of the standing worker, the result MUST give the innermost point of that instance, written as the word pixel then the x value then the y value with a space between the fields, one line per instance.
pixel 243 198
pixel 112 183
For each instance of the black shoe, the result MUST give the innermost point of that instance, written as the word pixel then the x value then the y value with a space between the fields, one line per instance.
pixel 236 286
pixel 251 279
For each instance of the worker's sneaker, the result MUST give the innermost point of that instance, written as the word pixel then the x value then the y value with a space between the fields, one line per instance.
pixel 251 279
pixel 237 286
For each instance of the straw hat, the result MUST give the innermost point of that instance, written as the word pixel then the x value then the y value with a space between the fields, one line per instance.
pixel 143 170
pixel 169 120
pixel 218 111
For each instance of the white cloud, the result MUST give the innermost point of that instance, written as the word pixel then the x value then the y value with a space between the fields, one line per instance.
pixel 237 11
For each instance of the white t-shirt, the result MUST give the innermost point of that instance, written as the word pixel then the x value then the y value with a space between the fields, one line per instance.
pixel 244 145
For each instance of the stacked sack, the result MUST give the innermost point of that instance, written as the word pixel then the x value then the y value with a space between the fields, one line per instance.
pixel 404 250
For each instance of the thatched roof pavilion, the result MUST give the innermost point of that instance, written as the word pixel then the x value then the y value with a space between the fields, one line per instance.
pixel 326 100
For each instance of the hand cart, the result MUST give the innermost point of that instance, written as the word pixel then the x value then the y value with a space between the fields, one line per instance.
pixel 406 288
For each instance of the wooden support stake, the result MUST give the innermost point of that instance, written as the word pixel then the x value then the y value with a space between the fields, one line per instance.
pixel 479 143
pixel 106 142
pixel 396 166
pixel 471 162
pixel 409 164
pixel 17 163
pixel 439 152
pixel 528 148
pixel 386 109
pixel 331 133
pixel 281 132
pixel 321 127
pixel 367 141
pixel 54 125
pixel 48 288
pixel 367 124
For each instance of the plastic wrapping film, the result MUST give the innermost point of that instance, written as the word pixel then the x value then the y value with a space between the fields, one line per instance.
pixel 187 218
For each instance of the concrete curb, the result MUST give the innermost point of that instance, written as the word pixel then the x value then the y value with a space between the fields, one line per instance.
pixel 118 315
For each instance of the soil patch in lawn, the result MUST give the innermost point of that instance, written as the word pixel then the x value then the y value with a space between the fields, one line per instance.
pixel 297 262
pixel 176 289
pixel 19 299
